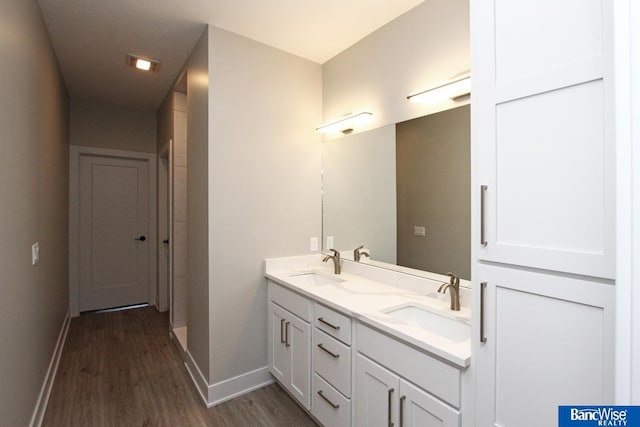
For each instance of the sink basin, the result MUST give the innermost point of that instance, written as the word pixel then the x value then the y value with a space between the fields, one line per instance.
pixel 315 278
pixel 450 329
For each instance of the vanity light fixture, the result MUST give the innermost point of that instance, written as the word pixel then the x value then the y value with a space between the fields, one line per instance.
pixel 454 89
pixel 142 63
pixel 347 123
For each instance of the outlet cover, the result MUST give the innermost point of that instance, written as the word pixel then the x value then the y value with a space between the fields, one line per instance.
pixel 313 244
pixel 35 253
pixel 419 231
pixel 330 242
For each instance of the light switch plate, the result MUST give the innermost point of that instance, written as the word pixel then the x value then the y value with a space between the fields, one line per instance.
pixel 419 231
pixel 313 244
pixel 35 253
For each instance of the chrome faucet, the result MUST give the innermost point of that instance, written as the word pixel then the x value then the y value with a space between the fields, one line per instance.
pixel 454 290
pixel 336 260
pixel 358 252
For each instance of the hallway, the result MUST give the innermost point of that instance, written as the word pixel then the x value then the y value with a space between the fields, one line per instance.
pixel 121 369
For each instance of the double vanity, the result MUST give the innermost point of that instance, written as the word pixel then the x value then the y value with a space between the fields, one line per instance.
pixel 368 346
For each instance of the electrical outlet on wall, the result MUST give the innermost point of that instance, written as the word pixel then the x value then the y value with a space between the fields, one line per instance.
pixel 330 242
pixel 313 244
pixel 419 231
pixel 35 253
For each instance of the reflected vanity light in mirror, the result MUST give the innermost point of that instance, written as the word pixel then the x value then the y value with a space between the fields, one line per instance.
pixel 346 123
pixel 453 89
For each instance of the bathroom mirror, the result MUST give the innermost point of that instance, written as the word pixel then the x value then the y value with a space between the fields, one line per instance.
pixel 402 191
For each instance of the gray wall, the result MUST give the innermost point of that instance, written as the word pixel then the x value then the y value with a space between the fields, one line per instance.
pixel 424 47
pixel 264 186
pixel 113 127
pixel 33 207
pixel 198 204
pixel 433 189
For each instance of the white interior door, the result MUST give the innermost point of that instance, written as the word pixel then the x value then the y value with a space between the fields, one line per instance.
pixel 114 224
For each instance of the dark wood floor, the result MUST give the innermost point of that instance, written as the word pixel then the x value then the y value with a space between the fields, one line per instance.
pixel 121 369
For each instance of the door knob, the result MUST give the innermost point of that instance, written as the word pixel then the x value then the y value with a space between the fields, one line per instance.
pixel 141 238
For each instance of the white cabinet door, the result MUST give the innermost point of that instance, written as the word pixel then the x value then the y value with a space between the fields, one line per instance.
pixel 280 363
pixel 548 342
pixel 420 409
pixel 298 340
pixel 543 134
pixel 290 353
pixel 376 394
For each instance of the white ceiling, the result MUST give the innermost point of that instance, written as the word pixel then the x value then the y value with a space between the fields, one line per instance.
pixel 91 38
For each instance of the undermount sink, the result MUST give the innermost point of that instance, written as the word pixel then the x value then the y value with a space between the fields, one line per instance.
pixel 316 278
pixel 450 329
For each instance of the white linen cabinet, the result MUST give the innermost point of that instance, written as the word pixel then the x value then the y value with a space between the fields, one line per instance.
pixel 543 208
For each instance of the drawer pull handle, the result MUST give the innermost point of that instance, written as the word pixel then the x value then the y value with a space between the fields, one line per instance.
pixel 402 399
pixel 333 405
pixel 281 331
pixel 330 353
pixel 286 335
pixel 483 239
pixel 483 286
pixel 324 322
pixel 390 423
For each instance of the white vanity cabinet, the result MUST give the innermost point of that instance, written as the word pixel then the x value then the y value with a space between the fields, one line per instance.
pixel 543 208
pixel 290 342
pixel 385 394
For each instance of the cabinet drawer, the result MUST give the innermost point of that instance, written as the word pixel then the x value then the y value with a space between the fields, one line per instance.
pixel 332 361
pixel 329 407
pixel 293 302
pixel 330 321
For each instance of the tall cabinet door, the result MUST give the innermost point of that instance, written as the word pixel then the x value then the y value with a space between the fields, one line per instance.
pixel 542 125
pixel 548 341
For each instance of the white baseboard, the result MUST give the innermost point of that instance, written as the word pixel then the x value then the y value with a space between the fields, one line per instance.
pixel 222 391
pixel 45 392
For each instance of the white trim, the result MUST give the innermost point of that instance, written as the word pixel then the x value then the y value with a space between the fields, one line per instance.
pixel 233 387
pixel 222 391
pixel 196 376
pixel 627 65
pixel 75 152
pixel 47 386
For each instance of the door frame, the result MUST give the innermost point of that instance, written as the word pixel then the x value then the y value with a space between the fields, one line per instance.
pixel 75 154
pixel 165 287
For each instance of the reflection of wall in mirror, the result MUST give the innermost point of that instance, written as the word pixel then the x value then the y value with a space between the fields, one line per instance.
pixel 359 192
pixel 433 190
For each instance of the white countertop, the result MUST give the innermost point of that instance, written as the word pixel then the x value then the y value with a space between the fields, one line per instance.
pixel 367 301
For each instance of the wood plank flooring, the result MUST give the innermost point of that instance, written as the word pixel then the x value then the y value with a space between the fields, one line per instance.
pixel 121 369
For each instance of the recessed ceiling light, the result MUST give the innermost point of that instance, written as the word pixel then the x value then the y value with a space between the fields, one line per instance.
pixel 142 63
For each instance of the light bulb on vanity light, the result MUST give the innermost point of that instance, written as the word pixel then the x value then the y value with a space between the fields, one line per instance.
pixel 346 124
pixel 454 89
